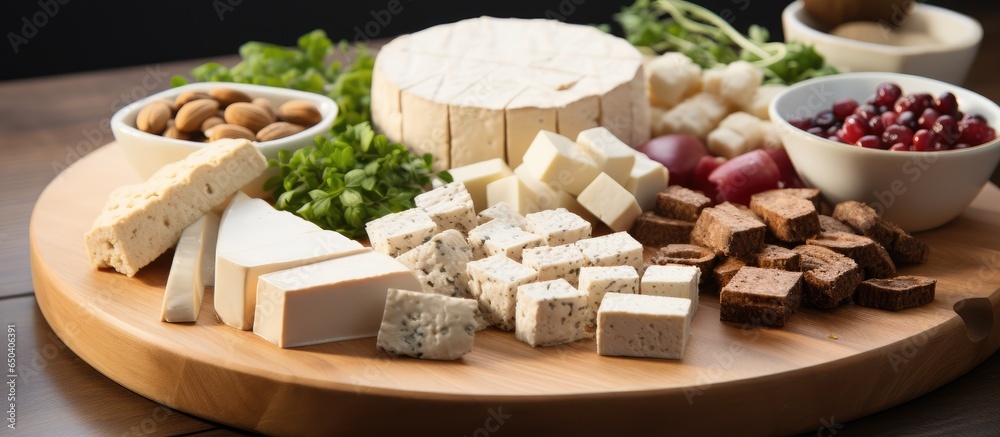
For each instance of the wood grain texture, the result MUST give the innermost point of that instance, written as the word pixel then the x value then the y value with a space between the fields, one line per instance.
pixel 767 381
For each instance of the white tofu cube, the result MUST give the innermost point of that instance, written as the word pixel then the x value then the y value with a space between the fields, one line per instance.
pixel 558 226
pixel 633 325
pixel 770 140
pixel 556 160
pixel 427 326
pixel 501 238
pixel 611 155
pixel 550 313
pixel 672 281
pixel 745 125
pixel 762 100
pixel 727 143
pixel 450 206
pixel 646 180
pixel 656 125
pixel 494 281
pixel 672 77
pixel 610 202
pixel 618 249
pixel 397 233
pixel 502 212
pixel 696 116
pixel 439 264
pixel 598 281
pixel 739 83
pixel 477 176
pixel 555 262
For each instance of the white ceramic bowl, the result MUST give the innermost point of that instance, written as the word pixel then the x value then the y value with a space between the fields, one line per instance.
pixel 147 152
pixel 949 59
pixel 916 190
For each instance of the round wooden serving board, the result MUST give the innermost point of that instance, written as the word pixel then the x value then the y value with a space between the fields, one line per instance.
pixel 824 368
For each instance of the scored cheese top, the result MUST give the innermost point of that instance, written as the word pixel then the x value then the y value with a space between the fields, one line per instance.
pixel 482 88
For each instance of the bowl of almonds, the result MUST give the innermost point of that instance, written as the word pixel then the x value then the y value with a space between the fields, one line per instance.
pixel 167 126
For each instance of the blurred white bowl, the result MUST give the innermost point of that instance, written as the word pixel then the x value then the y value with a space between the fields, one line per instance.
pixel 916 190
pixel 147 152
pixel 956 40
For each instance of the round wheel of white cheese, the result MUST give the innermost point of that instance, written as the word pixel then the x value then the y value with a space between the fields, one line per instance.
pixel 482 88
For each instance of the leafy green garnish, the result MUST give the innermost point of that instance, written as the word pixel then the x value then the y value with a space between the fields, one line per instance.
pixel 344 182
pixel 304 68
pixel 709 40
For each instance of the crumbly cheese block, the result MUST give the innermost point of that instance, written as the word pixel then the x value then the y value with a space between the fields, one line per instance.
pixel 501 211
pixel 635 325
pixel 672 281
pixel 555 262
pixel 339 299
pixel 599 281
pixel 440 264
pixel 558 226
pixel 140 222
pixel 397 233
pixel 502 238
pixel 550 313
pixel 482 88
pixel 185 286
pixel 612 156
pixel 426 326
pixel 494 281
pixel 617 249
pixel 450 206
pixel 646 179
pixel 477 176
pixel 558 161
pixel 610 202
pixel 237 272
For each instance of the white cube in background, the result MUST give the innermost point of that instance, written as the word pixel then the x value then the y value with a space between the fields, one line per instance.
pixel 635 325
pixel 550 313
pixel 611 155
pixel 610 202
pixel 672 281
pixel 477 176
pixel 558 161
pixel 647 178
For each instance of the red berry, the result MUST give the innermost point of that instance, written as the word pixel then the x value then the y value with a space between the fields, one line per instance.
pixel 866 111
pixel 816 130
pixel 835 138
pixel 946 128
pixel 801 123
pixel 946 103
pixel 903 104
pixel 887 93
pixel 928 118
pixel 824 118
pixel 843 108
pixel 897 134
pixel 899 147
pixel 908 119
pixel 869 142
pixel 974 132
pixel 960 146
pixel 832 130
pixel 889 118
pixel 924 140
pixel 854 128
pixel 875 126
pixel 921 102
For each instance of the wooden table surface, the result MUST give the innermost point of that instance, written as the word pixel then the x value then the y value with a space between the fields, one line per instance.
pixel 48 123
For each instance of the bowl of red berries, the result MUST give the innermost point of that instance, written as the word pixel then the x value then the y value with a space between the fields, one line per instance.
pixel 917 150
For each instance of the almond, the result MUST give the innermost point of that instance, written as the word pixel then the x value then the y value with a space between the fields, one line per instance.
pixel 170 104
pixel 172 132
pixel 188 96
pixel 194 113
pixel 248 115
pixel 228 96
pixel 277 130
pixel 211 122
pixel 299 112
pixel 266 104
pixel 153 117
pixel 229 131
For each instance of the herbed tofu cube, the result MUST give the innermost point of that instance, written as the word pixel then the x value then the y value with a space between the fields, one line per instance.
pixel 494 281
pixel 397 233
pixel 599 281
pixel 427 326
pixel 672 281
pixel 450 206
pixel 635 325
pixel 501 211
pixel 498 237
pixel 555 262
pixel 440 264
pixel 550 313
pixel 618 249
pixel 558 226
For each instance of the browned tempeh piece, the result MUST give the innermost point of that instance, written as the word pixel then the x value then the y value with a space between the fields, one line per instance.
pixel 652 229
pixel 725 270
pixel 681 203
pixel 687 254
pixel 830 224
pixel 761 297
pixel 863 219
pixel 789 218
pixel 830 278
pixel 776 257
pixel 729 230
pixel 871 256
pixel 895 294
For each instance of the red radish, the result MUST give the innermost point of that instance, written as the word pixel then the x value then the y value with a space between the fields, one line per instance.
pixel 680 153
pixel 705 167
pixel 745 175
pixel 789 178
